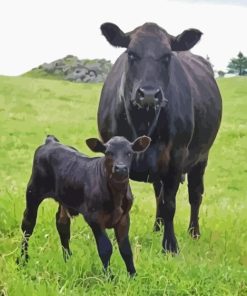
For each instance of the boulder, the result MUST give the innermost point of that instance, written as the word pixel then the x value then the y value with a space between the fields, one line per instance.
pixel 73 69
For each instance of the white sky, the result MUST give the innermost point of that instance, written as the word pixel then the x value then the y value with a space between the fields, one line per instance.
pixel 36 31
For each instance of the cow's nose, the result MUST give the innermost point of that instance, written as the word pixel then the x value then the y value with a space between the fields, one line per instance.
pixel 147 96
pixel 121 169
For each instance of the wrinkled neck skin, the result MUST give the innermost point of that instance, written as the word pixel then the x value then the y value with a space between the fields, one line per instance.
pixel 141 121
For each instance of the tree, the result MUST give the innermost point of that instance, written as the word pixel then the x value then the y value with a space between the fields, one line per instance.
pixel 221 73
pixel 238 64
pixel 208 59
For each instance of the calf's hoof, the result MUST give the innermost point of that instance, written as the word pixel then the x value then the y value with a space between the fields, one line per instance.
pixel 194 232
pixel 170 245
pixel 66 254
pixel 22 260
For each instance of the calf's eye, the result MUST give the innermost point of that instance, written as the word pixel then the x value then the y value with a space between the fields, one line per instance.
pixel 109 153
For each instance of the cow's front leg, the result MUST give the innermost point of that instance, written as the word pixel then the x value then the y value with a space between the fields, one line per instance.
pixel 167 207
pixel 121 232
pixel 104 245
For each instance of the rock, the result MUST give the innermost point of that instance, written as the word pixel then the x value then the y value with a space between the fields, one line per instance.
pixel 73 69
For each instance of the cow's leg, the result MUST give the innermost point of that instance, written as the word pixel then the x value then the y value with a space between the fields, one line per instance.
pixel 33 200
pixel 121 232
pixel 167 205
pixel 63 228
pixel 195 188
pixel 158 219
pixel 104 245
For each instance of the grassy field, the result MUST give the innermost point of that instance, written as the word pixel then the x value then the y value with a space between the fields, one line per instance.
pixel 214 265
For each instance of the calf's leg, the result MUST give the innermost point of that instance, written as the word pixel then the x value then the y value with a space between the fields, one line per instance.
pixel 33 201
pixel 104 245
pixel 121 232
pixel 196 189
pixel 63 228
pixel 158 219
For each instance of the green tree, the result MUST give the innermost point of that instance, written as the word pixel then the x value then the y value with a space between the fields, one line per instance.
pixel 221 73
pixel 238 64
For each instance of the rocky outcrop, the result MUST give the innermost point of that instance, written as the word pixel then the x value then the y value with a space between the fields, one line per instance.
pixel 73 69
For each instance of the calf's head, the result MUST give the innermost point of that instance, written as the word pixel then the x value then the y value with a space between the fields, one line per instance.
pixel 149 54
pixel 118 154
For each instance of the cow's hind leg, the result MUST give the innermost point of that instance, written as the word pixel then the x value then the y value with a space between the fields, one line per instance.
pixel 158 219
pixel 195 188
pixel 63 228
pixel 33 200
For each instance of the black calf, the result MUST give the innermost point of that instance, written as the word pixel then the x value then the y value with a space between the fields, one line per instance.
pixel 98 188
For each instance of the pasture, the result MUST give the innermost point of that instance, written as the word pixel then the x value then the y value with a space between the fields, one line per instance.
pixel 31 108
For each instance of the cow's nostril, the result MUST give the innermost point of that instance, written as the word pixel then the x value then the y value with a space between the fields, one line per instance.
pixel 141 93
pixel 158 96
pixel 157 92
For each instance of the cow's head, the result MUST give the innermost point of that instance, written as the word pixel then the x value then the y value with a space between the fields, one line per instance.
pixel 118 154
pixel 149 53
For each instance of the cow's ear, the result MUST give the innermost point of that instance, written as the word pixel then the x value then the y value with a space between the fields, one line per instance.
pixel 96 145
pixel 186 40
pixel 141 144
pixel 114 35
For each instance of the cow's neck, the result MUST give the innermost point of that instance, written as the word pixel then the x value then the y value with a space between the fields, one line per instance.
pixel 142 121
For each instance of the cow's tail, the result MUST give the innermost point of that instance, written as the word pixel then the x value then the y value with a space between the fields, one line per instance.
pixel 50 139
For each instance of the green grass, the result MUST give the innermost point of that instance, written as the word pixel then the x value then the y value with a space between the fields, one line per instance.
pixel 214 265
pixel 40 73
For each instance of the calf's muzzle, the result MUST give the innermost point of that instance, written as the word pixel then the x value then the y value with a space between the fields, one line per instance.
pixel 121 170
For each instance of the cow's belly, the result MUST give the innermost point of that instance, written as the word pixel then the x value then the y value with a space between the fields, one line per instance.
pixel 145 167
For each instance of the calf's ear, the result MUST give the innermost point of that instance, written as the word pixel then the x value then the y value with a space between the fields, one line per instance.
pixel 96 145
pixel 141 144
pixel 186 40
pixel 114 35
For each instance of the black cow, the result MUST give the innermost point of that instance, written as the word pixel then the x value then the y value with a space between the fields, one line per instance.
pixel 160 89
pixel 98 188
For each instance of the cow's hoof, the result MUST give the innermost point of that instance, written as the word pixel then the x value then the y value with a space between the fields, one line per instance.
pixel 108 274
pixel 158 224
pixel 170 245
pixel 132 274
pixel 194 232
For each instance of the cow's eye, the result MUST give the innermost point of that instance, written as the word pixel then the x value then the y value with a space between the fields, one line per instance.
pixel 132 56
pixel 128 154
pixel 165 59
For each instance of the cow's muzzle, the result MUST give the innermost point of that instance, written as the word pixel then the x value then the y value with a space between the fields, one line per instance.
pixel 148 97
pixel 120 170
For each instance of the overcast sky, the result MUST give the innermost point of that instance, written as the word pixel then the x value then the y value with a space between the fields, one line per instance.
pixel 36 31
